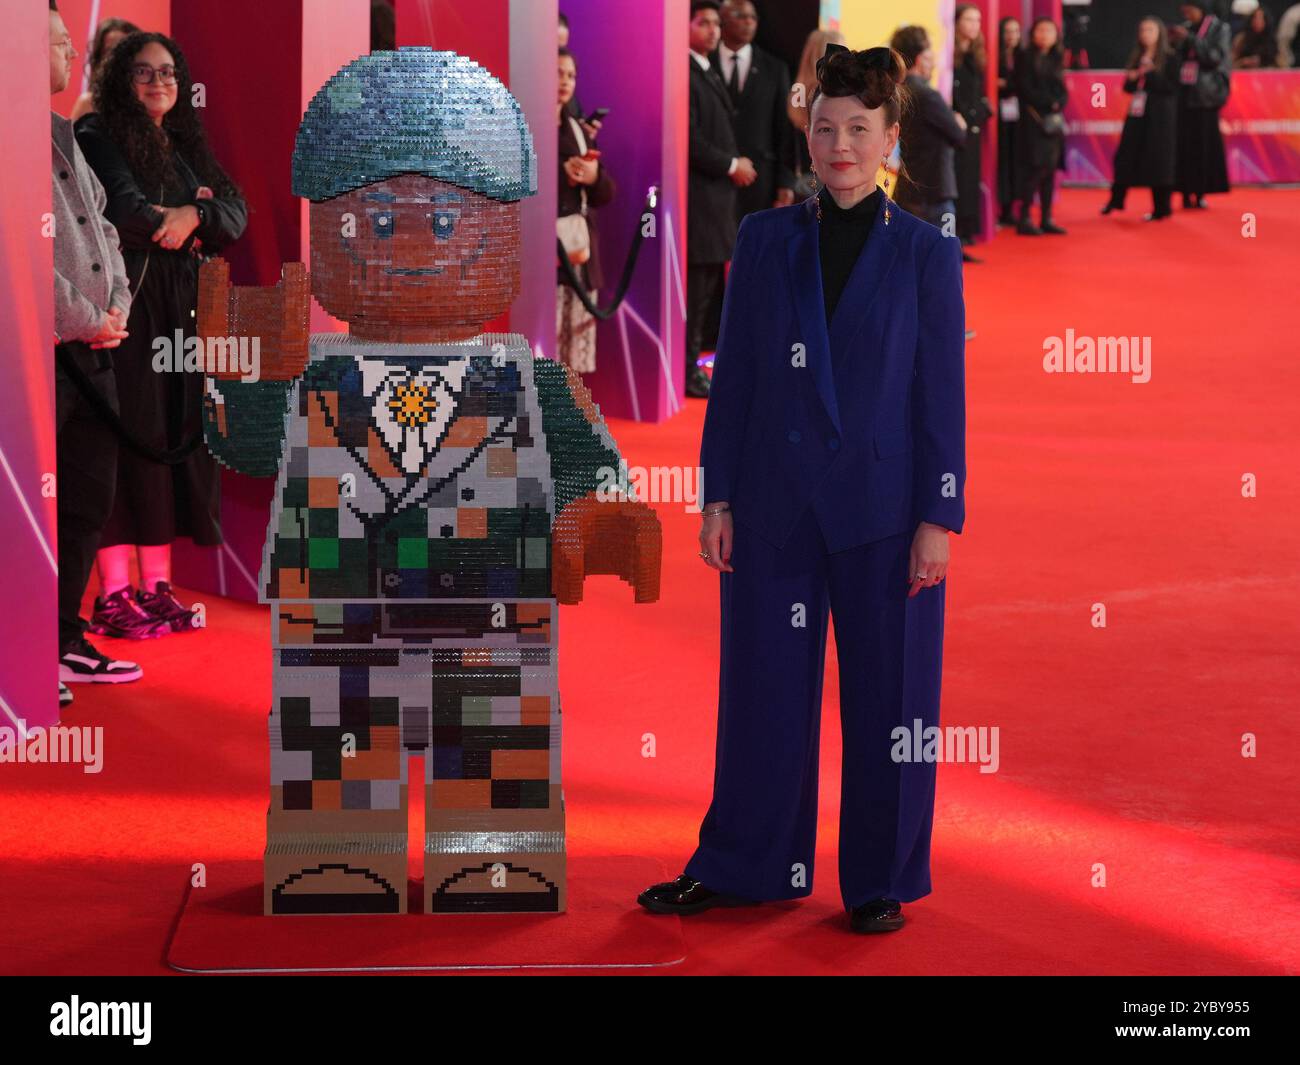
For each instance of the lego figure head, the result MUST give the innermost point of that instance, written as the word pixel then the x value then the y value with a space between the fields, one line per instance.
pixel 414 162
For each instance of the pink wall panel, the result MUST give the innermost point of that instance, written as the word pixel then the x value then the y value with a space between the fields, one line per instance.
pixel 29 664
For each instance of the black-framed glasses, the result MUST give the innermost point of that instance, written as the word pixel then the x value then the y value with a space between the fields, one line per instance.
pixel 143 74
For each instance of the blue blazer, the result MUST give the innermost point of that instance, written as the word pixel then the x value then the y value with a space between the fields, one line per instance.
pixel 864 421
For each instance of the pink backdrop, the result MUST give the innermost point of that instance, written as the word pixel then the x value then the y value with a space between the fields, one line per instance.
pixel 28 628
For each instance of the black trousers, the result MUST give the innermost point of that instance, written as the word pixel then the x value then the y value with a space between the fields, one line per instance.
pixel 1161 197
pixel 1041 180
pixel 704 285
pixel 86 476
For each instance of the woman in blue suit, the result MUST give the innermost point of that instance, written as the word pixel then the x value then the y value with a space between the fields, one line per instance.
pixel 834 470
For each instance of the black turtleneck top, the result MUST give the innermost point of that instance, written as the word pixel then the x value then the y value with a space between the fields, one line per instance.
pixel 842 236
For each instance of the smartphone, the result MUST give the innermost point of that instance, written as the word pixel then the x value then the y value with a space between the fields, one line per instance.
pixel 597 115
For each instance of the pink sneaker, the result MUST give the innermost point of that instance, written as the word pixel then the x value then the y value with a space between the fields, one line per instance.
pixel 121 616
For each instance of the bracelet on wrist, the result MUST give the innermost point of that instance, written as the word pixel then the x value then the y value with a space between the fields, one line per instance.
pixel 722 509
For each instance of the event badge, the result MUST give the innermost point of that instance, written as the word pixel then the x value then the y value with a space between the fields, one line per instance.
pixel 1138 105
pixel 1009 106
pixel 1188 71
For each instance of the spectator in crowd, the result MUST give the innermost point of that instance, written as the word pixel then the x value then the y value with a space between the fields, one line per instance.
pixel 1288 38
pixel 1008 118
pixel 574 107
pixel 796 107
pixel 1040 87
pixel 91 304
pixel 716 171
pixel 1203 51
pixel 171 202
pixel 759 86
pixel 930 131
pixel 107 34
pixel 1145 156
pixel 584 183
pixel 1256 45
pixel 969 66
pixel 383 26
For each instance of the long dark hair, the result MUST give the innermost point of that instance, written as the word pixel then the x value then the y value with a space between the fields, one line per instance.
pixel 1162 50
pixel 978 49
pixel 105 27
pixel 1006 54
pixel 147 148
pixel 1053 60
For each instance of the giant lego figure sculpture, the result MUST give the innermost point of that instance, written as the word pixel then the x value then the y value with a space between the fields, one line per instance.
pixel 438 493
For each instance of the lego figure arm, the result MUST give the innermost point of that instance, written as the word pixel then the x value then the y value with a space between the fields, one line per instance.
pixel 244 415
pixel 593 532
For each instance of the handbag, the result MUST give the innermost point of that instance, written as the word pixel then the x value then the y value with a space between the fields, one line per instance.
pixel 1053 125
pixel 572 229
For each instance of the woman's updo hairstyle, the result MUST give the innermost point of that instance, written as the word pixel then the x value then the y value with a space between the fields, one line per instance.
pixel 874 75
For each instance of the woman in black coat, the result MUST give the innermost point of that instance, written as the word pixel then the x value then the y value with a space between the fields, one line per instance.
pixel 1040 87
pixel 970 62
pixel 171 202
pixel 1203 49
pixel 1008 118
pixel 1146 152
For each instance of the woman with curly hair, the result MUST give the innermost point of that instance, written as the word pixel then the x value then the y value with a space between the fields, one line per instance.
pixel 172 204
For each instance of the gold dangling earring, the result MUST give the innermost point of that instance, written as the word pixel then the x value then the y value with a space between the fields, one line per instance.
pixel 885 163
pixel 817 198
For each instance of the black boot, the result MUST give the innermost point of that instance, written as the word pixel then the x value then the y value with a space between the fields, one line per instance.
pixel 1025 226
pixel 1050 227
pixel 685 896
pixel 878 915
pixel 697 384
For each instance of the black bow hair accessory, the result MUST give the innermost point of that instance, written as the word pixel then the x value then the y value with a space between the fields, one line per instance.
pixel 873 58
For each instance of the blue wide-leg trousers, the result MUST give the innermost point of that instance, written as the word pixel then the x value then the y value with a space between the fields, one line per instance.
pixel 758 839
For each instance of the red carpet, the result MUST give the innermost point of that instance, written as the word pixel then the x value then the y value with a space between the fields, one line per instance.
pixel 1121 747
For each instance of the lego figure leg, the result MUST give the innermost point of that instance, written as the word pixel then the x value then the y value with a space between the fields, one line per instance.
pixel 336 828
pixel 495 812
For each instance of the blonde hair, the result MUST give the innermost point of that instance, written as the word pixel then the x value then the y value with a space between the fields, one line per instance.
pixel 813 49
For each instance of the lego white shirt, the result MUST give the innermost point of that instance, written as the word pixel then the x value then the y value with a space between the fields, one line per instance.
pixel 412 405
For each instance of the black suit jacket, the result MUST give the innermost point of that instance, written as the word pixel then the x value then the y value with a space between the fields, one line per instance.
pixel 929 133
pixel 711 197
pixel 763 130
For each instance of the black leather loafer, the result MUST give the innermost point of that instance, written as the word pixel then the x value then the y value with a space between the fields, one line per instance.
pixel 685 896
pixel 878 915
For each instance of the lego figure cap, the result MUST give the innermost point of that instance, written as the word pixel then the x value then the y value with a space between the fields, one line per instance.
pixel 414 111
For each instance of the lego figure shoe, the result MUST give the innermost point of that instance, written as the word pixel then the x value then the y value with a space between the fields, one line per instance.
pixel 120 615
pixel 162 605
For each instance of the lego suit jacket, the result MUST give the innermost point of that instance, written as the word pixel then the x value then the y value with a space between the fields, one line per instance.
pixel 864 419
pixel 347 523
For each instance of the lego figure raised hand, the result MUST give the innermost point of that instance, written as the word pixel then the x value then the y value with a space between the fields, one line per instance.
pixel 436 496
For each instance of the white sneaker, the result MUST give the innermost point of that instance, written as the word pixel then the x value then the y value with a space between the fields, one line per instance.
pixel 81 664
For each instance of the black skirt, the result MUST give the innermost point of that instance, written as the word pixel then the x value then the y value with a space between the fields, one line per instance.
pixel 155 503
pixel 1202 165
